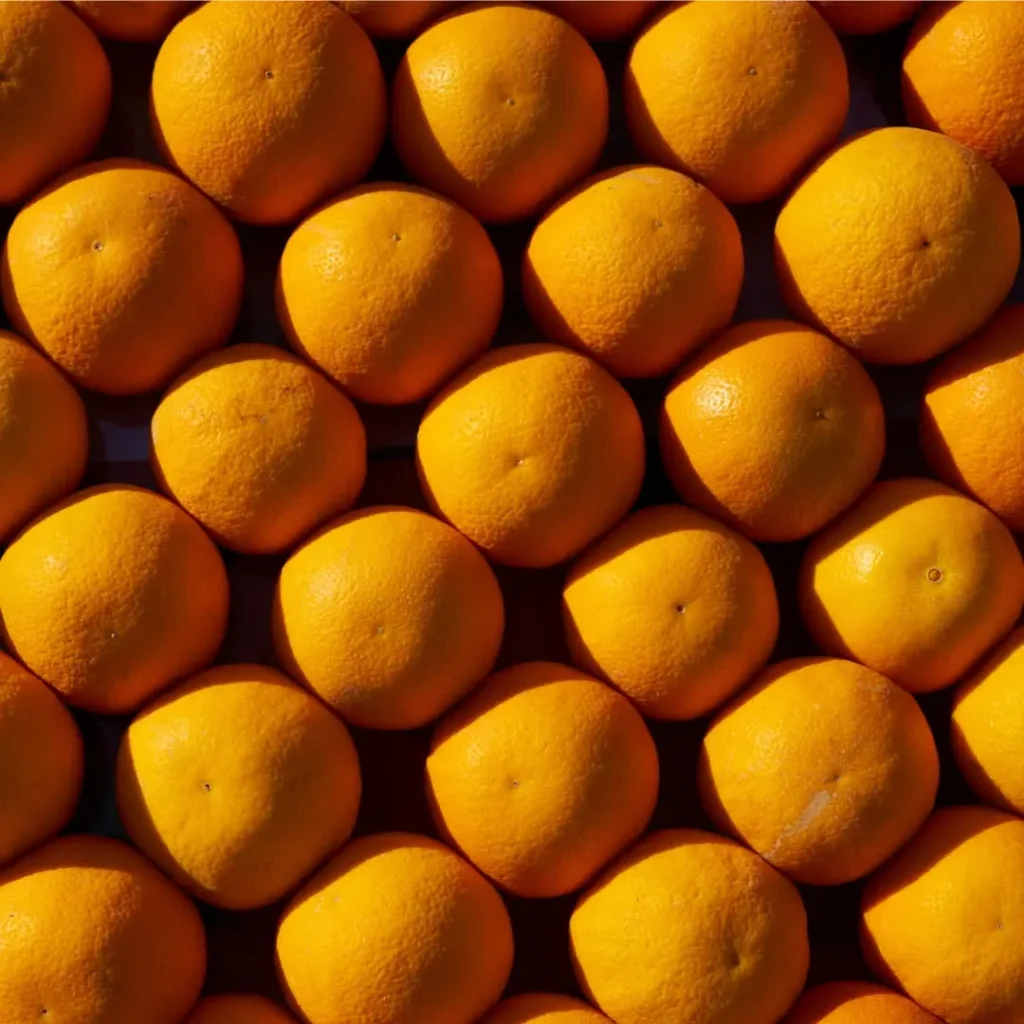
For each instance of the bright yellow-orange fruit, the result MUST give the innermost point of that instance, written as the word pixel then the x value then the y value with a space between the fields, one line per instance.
pixel 394 19
pixel 690 928
pixel 132 20
pixel 774 429
pixel 866 17
pixel 389 290
pixel 112 595
pixel 122 274
pixel 944 919
pixel 232 1009
pixel 929 266
pixel 822 766
pixel 389 615
pixel 246 102
pixel 541 1008
pixel 532 452
pixel 258 447
pixel 739 95
pixel 54 94
pixel 92 933
pixel 603 19
pixel 636 268
pixel 501 107
pixel 856 1002
pixel 674 609
pixel 396 929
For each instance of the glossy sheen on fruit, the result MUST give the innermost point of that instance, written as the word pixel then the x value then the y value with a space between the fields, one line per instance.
pixel 122 274
pixel 397 929
pixel 636 268
pixel 111 595
pixel 944 919
pixel 866 17
pixel 856 1002
pixel 542 1008
pixel 258 447
pixel 389 289
pixel 822 766
pixel 934 262
pixel 541 777
pixel 237 784
pixel 131 20
pixel 389 615
pixel 54 94
pixel 92 933
pixel 394 19
pixel 532 452
pixel 674 609
pixel 690 928
pixel 916 582
pixel 246 100
pixel 739 95
pixel 501 107
pixel 233 1009
pixel 603 19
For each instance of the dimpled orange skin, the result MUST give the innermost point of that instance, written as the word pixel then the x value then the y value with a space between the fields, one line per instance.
pixel 394 19
pixel 122 274
pixel 389 290
pixel 933 262
pixel 532 452
pixel 636 269
pixel 944 919
pixel 856 1002
pixel 690 928
pixel 92 933
pixel 603 19
pixel 258 447
pixel 54 94
pixel 822 766
pixel 131 20
pixel 240 1009
pixel 774 429
pixel 389 616
pixel 866 17
pixel 672 608
pixel 500 107
pixel 111 595
pixel 739 95
pixel 541 1008
pixel 397 929
pixel 246 98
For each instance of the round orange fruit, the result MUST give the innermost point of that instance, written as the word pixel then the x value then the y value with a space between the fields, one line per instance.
pixel 603 19
pixel 232 1009
pixel 541 1008
pixel 866 17
pixel 389 289
pixel 132 20
pixel 856 1002
pixel 394 19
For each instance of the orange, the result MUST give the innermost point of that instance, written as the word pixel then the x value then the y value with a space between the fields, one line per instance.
pixel 388 615
pixel 238 1010
pixel 916 582
pixel 690 928
pixel 944 919
pixel 532 452
pixel 122 274
pixel 238 784
pixel 301 442
pixel 44 438
pixel 856 1002
pixel 394 19
pixel 501 107
pixel 963 74
pixel 92 933
pixel 543 1009
pixel 636 268
pixel 673 609
pixel 541 777
pixel 900 243
pixel 395 930
pixel 603 19
pixel 774 429
pixel 739 95
pixel 389 290
pixel 54 94
pixel 40 762
pixel 132 20
pixel 823 767
pixel 111 595
pixel 246 101
pixel 866 17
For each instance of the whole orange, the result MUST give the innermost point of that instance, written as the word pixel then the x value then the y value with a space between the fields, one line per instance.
pixel 856 1002
pixel 246 101
pixel 501 107
pixel 122 274
pixel 916 582
pixel 774 429
pixel 389 289
pixel 603 19
pixel 388 615
pixel 739 95
pixel 132 20
pixel 394 19
pixel 532 452
pixel 92 933
pixel 232 1009
pixel 900 243
pixel 636 268
pixel 112 595
pixel 541 1008
pixel 258 447
pixel 866 17
pixel 396 929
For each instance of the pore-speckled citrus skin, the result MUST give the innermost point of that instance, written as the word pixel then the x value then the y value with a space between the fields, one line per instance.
pixel 856 1002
